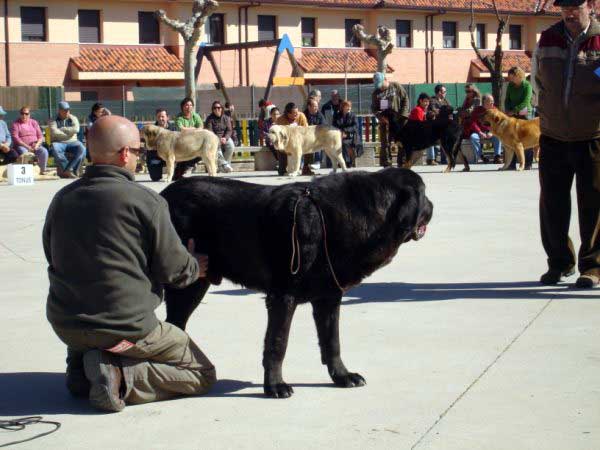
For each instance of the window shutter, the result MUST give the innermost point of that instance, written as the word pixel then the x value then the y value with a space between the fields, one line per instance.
pixel 89 26
pixel 148 28
pixel 33 24
pixel 266 28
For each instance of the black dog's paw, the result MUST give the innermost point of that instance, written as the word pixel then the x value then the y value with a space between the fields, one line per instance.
pixel 279 390
pixel 349 380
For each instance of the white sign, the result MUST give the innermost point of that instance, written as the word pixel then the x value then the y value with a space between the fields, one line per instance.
pixel 20 174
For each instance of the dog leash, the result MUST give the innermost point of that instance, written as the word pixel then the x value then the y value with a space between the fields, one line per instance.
pixel 21 423
pixel 296 261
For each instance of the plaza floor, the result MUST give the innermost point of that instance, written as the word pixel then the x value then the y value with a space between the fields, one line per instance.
pixel 461 348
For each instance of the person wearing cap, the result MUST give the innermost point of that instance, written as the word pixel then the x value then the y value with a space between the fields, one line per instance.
pixel 566 78
pixel 27 137
pixel 63 135
pixel 6 152
pixel 389 103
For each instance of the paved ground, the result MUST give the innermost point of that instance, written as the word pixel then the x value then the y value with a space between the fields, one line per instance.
pixel 461 348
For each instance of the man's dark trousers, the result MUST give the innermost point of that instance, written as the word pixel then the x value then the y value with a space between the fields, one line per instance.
pixel 559 163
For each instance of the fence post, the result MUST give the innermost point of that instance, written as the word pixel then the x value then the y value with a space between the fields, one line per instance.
pixel 49 103
pixel 252 100
pixel 359 98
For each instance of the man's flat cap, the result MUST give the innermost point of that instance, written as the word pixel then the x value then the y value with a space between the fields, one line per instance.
pixel 569 2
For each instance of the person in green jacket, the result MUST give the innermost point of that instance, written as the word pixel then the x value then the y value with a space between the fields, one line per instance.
pixel 518 104
pixel 188 119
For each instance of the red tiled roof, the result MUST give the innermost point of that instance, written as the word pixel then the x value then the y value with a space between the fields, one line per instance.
pixel 333 60
pixel 510 59
pixel 512 6
pixel 126 59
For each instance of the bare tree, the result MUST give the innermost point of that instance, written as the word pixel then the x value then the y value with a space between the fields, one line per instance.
pixel 492 62
pixel 382 41
pixel 191 31
pixel 540 7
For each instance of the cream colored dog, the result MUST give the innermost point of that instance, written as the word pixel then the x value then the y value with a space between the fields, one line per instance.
pixel 175 146
pixel 296 141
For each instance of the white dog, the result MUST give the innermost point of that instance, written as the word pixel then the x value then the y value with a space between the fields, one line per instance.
pixel 296 141
pixel 175 146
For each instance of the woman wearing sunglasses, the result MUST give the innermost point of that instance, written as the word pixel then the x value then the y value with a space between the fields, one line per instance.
pixel 27 138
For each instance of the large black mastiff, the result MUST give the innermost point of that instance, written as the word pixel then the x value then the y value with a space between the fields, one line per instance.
pixel 298 243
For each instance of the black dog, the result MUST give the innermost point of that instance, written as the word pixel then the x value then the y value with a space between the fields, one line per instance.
pixel 416 135
pixel 298 243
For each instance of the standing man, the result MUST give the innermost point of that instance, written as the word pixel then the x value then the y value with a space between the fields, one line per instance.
pixel 106 282
pixel 332 107
pixel 314 117
pixel 389 103
pixel 7 154
pixel 435 104
pixel 154 162
pixel 566 73
pixel 63 135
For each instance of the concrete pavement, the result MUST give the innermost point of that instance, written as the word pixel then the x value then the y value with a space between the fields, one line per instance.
pixel 460 346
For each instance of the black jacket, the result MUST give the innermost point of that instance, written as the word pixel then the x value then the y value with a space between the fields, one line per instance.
pixel 349 124
pixel 110 246
pixel 315 119
pixel 221 126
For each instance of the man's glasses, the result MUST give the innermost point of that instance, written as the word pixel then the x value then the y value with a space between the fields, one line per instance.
pixel 24 113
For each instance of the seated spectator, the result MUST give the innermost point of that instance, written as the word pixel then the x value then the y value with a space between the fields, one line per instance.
pixel 274 114
pixel 419 113
pixel 345 121
pixel 153 161
pixel 220 124
pixel 188 119
pixel 314 117
pixel 472 100
pixel 230 112
pixel 291 116
pixel 262 116
pixel 332 107
pixel 477 130
pixel 98 110
pixel 27 137
pixel 7 154
pixel 63 135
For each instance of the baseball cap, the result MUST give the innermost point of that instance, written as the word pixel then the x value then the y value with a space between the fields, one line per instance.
pixel 64 106
pixel 2 112
pixel 569 2
pixel 378 79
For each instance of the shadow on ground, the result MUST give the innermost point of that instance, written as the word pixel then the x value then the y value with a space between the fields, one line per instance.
pixel 426 292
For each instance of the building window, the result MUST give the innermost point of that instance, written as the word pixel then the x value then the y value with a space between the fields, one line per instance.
pixel 449 33
pixel 351 40
pixel 33 24
pixel 514 33
pixel 480 36
pixel 89 96
pixel 403 33
pixel 308 32
pixel 267 28
pixel 89 26
pixel 215 31
pixel 149 28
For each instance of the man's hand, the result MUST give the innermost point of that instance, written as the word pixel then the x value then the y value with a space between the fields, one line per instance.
pixel 202 259
pixel 4 148
pixel 223 140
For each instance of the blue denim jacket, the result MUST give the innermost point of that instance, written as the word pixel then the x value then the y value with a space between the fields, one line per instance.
pixel 4 133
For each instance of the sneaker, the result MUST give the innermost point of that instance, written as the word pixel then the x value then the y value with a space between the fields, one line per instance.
pixel 103 371
pixel 225 168
pixel 498 159
pixel 553 276
pixel 315 166
pixel 587 281
pixel 432 162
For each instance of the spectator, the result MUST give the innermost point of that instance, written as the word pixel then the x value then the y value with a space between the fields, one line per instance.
pixel 518 104
pixel 478 130
pixel 230 112
pixel 220 124
pixel 154 162
pixel 419 114
pixel 188 119
pixel 316 94
pixel 98 110
pixel 435 104
pixel 291 116
pixel 27 137
pixel 346 122
pixel 472 100
pixel 64 130
pixel 389 103
pixel 332 107
pixel 262 116
pixel 8 154
pixel 267 124
pixel 314 117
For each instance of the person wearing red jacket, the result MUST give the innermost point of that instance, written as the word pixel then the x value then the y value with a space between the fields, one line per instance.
pixel 419 113
pixel 476 130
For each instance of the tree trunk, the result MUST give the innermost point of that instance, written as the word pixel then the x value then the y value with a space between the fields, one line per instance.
pixel 189 67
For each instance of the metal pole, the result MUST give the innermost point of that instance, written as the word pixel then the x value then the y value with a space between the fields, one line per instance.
pixel 123 101
pixel 49 103
pixel 346 76
pixel 359 98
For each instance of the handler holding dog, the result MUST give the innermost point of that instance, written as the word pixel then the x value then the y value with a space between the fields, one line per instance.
pixel 110 246
pixel 566 69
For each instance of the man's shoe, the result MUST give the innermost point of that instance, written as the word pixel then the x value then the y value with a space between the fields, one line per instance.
pixel 225 168
pixel 587 281
pixel 553 276
pixel 432 162
pixel 104 374
pixel 68 174
pixel 498 159
pixel 306 171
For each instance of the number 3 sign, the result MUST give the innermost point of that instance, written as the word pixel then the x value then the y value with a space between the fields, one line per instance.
pixel 20 174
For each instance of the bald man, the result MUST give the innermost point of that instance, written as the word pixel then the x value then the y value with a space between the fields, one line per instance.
pixel 111 246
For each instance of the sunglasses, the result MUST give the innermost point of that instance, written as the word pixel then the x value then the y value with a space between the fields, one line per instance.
pixel 25 113
pixel 218 107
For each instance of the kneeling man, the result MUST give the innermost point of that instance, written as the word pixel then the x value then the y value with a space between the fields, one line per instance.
pixel 110 246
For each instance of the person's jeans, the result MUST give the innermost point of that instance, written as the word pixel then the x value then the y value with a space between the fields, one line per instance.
pixel 41 153
pixel 431 153
pixel 76 148
pixel 476 143
pixel 225 153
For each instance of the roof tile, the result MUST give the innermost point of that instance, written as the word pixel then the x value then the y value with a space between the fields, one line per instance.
pixel 126 59
pixel 510 59
pixel 333 60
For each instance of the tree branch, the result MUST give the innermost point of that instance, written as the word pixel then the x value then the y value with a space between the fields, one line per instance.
pixel 486 60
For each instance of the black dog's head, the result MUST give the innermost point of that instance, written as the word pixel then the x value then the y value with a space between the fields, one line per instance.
pixel 446 112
